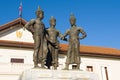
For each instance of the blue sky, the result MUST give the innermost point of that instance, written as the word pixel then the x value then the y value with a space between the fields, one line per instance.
pixel 99 18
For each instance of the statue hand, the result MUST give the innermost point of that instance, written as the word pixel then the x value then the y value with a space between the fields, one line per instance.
pixel 62 37
pixel 65 39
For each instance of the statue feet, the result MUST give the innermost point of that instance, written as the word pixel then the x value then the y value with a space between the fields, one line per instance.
pixel 43 67
pixel 36 66
pixel 55 68
pixel 65 69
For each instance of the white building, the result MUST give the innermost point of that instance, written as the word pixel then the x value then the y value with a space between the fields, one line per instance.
pixel 16 54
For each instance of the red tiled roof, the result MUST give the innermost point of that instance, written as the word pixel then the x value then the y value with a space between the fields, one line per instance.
pixel 84 50
pixel 94 50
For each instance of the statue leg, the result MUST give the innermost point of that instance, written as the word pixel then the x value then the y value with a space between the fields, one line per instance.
pixel 45 52
pixel 66 67
pixel 56 59
pixel 36 50
pixel 53 55
pixel 78 66
pixel 43 63
pixel 77 60
pixel 68 58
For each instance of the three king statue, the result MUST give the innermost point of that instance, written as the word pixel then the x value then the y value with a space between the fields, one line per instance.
pixel 46 44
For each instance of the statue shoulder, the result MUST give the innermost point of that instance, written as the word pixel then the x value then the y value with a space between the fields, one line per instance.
pixel 32 21
pixel 68 30
pixel 79 28
pixel 57 31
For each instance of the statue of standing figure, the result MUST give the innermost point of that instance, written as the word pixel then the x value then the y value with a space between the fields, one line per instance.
pixel 45 42
pixel 73 56
pixel 37 28
pixel 53 34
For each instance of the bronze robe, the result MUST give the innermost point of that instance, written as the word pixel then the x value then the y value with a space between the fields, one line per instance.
pixel 37 28
pixel 73 54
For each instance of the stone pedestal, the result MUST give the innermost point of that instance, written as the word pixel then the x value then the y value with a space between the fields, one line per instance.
pixel 44 74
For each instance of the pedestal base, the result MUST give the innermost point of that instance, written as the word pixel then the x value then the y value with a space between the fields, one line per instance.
pixel 44 74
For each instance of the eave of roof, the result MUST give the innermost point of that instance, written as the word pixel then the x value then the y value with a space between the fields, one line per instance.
pixel 12 23
pixel 84 50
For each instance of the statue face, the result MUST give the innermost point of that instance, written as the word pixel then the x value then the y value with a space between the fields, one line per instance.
pixel 72 21
pixel 52 22
pixel 41 15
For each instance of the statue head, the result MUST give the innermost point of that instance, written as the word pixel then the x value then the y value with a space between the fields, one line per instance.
pixel 72 20
pixel 40 13
pixel 52 21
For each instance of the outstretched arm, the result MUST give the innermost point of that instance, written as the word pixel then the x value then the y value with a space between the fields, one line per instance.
pixel 61 36
pixel 29 26
pixel 83 33
pixel 66 33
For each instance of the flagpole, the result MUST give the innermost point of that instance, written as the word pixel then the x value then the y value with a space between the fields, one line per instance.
pixel 20 13
pixel 20 9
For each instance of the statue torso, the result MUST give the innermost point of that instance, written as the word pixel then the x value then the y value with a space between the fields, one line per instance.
pixel 38 27
pixel 53 34
pixel 74 33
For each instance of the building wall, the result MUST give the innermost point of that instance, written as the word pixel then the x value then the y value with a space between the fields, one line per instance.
pixel 12 70
pixel 99 65
pixel 17 34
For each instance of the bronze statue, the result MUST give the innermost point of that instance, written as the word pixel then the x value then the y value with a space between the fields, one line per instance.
pixel 73 56
pixel 53 34
pixel 37 28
